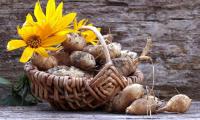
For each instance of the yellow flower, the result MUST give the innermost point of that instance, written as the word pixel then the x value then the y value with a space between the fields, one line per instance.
pixel 54 18
pixel 78 25
pixel 34 40
pixel 39 36
pixel 90 36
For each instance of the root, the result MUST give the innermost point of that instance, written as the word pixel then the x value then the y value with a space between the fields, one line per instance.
pixel 153 76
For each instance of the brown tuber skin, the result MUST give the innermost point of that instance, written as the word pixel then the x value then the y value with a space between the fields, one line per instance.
pixel 82 60
pixel 97 51
pixel 127 53
pixel 142 106
pixel 179 103
pixel 126 97
pixel 44 63
pixel 74 42
pixel 127 65
pixel 62 58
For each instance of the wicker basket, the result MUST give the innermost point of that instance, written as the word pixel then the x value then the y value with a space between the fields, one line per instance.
pixel 69 93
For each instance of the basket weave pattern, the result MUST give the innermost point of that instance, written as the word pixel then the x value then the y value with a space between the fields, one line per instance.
pixel 64 92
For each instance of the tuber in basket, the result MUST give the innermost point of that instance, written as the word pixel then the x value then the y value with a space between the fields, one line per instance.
pixel 72 93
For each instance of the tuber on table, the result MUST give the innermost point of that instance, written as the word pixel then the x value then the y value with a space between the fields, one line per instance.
pixel 82 60
pixel 143 106
pixel 126 97
pixel 151 97
pixel 44 63
pixel 179 103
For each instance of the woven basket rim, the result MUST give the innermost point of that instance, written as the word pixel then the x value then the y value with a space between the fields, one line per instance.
pixel 29 66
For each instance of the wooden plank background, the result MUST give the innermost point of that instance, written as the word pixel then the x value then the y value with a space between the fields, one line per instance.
pixel 173 24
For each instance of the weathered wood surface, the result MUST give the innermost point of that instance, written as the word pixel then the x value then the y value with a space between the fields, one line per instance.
pixel 44 112
pixel 173 24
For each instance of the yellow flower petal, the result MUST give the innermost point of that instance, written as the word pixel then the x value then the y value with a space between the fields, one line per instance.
pixel 90 24
pixel 41 51
pixel 90 36
pixel 38 12
pixel 58 15
pixel 50 9
pixel 58 12
pixel 59 9
pixel 15 44
pixel 54 40
pixel 81 23
pixel 44 31
pixel 65 21
pixel 75 25
pixel 64 32
pixel 78 25
pixel 27 54
pixel 53 48
pixel 85 22
pixel 29 20
pixel 93 42
pixel 26 31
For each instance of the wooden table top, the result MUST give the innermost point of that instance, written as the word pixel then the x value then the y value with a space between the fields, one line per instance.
pixel 44 112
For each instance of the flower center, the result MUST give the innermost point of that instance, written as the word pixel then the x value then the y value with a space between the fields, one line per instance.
pixel 33 41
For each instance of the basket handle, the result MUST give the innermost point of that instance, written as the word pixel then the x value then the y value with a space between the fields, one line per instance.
pixel 102 41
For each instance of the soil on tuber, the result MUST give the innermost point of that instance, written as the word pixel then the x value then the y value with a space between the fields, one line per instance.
pixel 82 60
pixel 69 71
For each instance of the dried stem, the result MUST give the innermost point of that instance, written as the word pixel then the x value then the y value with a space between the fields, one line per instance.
pixel 147 47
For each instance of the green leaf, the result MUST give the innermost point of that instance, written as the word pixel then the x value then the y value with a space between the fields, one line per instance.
pixel 3 81
pixel 21 94
pixel 11 100
pixel 16 100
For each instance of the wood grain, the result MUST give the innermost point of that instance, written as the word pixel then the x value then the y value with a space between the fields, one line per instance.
pixel 44 112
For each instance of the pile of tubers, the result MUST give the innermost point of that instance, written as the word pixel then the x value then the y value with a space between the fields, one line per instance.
pixel 88 58
pixel 80 59
pixel 134 100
